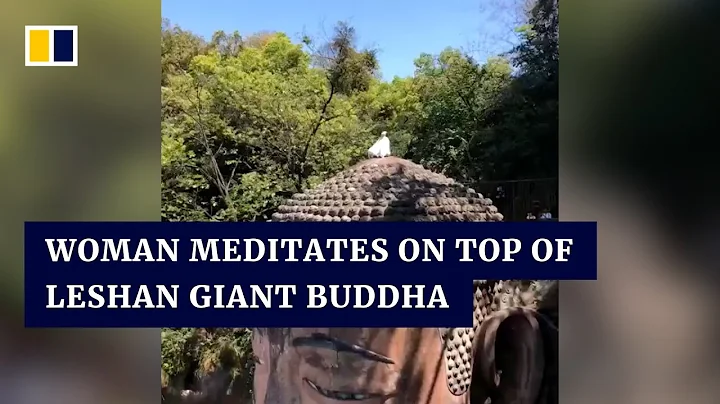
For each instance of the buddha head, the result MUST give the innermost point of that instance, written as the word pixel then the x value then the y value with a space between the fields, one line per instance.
pixel 501 358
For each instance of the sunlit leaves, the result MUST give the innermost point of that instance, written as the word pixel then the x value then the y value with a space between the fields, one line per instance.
pixel 241 128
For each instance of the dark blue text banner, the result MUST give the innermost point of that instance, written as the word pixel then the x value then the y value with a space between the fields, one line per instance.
pixel 122 274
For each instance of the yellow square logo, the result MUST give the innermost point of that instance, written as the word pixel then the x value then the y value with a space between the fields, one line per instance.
pixel 51 45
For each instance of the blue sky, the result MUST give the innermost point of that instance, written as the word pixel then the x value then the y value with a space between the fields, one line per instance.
pixel 400 29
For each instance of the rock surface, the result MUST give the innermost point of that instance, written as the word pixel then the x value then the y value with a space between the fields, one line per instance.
pixel 388 189
pixel 397 190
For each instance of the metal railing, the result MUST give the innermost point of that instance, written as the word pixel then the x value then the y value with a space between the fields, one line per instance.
pixel 516 198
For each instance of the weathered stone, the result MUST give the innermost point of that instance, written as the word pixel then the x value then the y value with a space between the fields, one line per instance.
pixel 390 181
pixel 393 189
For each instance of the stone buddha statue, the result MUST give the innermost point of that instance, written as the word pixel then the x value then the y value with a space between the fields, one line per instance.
pixel 508 356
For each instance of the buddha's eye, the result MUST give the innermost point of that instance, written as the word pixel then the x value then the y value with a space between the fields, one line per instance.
pixel 341 395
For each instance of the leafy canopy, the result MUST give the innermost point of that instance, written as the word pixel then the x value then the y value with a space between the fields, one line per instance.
pixel 247 121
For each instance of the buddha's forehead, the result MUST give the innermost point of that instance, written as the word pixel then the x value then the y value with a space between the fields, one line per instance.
pixel 357 336
pixel 381 340
pixel 387 341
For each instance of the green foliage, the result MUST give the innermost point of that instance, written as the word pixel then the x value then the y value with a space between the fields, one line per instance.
pixel 178 349
pixel 198 352
pixel 456 94
pixel 486 122
pixel 242 128
pixel 248 121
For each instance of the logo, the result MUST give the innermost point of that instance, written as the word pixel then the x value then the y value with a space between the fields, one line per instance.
pixel 51 45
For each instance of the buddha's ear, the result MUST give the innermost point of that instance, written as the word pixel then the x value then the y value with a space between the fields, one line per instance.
pixel 510 357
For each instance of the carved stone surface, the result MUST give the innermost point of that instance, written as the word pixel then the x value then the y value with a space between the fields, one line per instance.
pixel 509 355
pixel 489 297
pixel 388 189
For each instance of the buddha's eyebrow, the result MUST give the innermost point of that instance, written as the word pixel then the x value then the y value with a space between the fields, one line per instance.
pixel 327 342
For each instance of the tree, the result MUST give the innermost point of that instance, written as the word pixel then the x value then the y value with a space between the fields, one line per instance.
pixel 483 122
pixel 247 121
pixel 243 128
pixel 177 49
pixel 457 94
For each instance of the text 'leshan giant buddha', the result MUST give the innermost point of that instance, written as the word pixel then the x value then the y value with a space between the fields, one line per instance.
pixel 267 296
